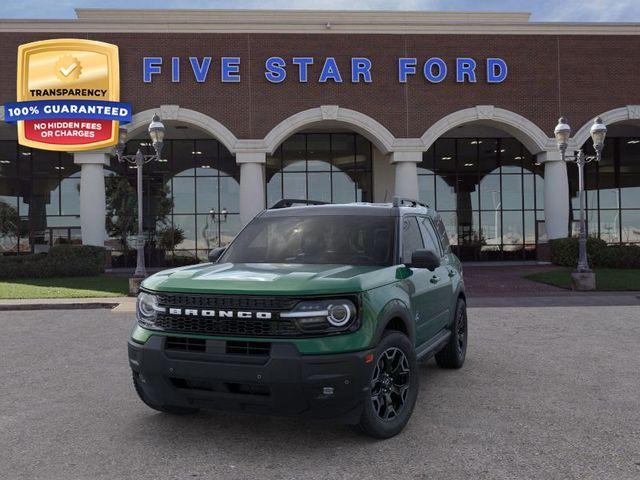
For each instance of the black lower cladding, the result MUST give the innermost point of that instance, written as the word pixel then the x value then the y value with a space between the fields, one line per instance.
pixel 276 380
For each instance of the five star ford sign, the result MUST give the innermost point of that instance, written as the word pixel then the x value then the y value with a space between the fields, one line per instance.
pixel 68 95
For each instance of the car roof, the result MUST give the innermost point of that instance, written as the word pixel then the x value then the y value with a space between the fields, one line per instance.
pixel 356 208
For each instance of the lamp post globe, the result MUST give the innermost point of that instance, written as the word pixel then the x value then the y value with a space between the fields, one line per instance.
pixel 156 133
pixel 598 133
pixel 562 133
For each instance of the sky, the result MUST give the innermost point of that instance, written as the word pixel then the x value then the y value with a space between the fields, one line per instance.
pixel 542 10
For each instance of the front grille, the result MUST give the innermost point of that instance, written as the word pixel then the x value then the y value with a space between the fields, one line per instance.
pixel 248 348
pixel 227 302
pixel 248 327
pixel 186 344
pixel 221 387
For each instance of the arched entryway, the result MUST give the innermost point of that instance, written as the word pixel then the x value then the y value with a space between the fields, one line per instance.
pixel 191 196
pixel 328 154
pixel 612 185
pixel 482 174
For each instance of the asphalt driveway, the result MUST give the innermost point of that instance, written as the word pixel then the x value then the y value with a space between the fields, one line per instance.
pixel 550 392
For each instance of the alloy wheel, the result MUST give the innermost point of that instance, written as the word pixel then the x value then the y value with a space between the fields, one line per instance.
pixel 390 383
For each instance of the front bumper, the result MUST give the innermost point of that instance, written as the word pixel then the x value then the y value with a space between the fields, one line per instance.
pixel 284 382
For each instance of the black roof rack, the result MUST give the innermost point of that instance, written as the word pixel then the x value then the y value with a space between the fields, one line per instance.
pixel 292 202
pixel 410 202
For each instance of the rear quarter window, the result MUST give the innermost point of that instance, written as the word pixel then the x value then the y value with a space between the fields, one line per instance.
pixel 442 234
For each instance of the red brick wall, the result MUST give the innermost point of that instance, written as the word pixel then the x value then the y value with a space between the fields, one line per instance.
pixel 578 76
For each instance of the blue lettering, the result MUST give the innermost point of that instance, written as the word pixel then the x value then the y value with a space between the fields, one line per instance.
pixel 303 65
pixel 230 70
pixel 200 71
pixel 151 66
pixel 275 69
pixel 496 70
pixel 360 67
pixel 428 70
pixel 330 71
pixel 406 66
pixel 465 67
pixel 175 69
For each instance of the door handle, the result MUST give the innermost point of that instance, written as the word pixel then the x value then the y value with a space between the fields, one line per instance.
pixel 435 279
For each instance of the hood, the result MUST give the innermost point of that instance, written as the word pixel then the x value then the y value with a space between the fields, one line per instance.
pixel 269 278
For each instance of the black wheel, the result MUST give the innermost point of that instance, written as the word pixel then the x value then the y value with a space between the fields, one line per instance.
pixel 160 408
pixel 454 352
pixel 393 390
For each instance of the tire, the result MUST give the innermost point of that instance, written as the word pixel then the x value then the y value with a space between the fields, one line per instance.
pixel 395 353
pixel 173 410
pixel 455 351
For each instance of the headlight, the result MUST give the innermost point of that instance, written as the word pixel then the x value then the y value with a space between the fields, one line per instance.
pixel 147 309
pixel 320 316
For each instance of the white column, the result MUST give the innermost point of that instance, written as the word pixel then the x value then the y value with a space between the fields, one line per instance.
pixel 406 170
pixel 252 193
pixel 93 208
pixel 556 194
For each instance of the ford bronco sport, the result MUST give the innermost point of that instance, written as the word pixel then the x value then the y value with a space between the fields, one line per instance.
pixel 314 310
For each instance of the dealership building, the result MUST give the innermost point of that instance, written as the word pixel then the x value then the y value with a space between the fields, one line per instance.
pixel 456 109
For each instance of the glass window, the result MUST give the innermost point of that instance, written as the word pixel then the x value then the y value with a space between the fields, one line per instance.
pixel 610 226
pixel 8 159
pixel 631 226
pixel 445 194
pixel 328 167
pixel 320 186
pixel 316 239
pixel 512 192
pixel 429 236
pixel 318 151
pixel 511 155
pixel 411 238
pixel 294 153
pixel 445 156
pixel 426 187
pixel 182 159
pixel 490 197
pixel 630 190
pixel 183 190
pixel 441 231
pixel 70 196
pixel 207 195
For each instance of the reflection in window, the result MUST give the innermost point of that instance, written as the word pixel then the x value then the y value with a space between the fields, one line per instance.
pixel 199 181
pixel 489 192
pixel 328 167
pixel 612 191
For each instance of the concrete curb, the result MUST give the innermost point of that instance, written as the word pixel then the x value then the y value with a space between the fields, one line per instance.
pixel 9 307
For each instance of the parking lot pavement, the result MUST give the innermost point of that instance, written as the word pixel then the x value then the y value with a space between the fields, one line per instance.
pixel 547 393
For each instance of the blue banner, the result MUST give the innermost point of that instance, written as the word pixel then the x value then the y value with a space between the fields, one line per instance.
pixel 67 109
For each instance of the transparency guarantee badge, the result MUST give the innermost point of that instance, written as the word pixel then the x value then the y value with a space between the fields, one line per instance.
pixel 68 95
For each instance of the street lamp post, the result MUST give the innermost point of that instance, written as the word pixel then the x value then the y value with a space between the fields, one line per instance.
pixel 156 133
pixel 598 132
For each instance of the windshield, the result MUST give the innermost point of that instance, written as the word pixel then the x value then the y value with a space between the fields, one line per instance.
pixel 319 239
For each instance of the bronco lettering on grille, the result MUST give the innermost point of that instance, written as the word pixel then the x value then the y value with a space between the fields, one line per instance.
pixel 192 312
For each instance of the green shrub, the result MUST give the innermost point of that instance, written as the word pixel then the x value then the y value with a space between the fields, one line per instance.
pixel 618 256
pixel 564 252
pixel 61 261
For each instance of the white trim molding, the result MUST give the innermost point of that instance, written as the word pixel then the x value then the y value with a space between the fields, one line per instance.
pixel 373 130
pixel 622 114
pixel 197 21
pixel 531 136
pixel 140 121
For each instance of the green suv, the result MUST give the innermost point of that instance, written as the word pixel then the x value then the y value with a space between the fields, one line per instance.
pixel 312 310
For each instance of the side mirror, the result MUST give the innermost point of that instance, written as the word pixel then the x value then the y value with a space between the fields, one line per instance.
pixel 424 259
pixel 216 253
